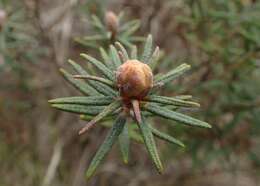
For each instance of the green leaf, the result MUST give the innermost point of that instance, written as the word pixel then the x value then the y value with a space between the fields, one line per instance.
pixel 107 111
pixel 79 109
pixel 125 40
pixel 106 58
pixel 172 74
pixel 84 43
pixel 171 101
pixel 132 29
pixel 169 114
pixel 150 144
pixel 148 48
pixel 123 50
pixel 94 37
pixel 95 78
pixel 155 58
pixel 134 54
pixel 97 22
pixel 89 117
pixel 183 97
pixel 91 100
pixel 166 137
pixel 129 25
pixel 124 143
pixel 115 57
pixel 82 86
pixel 133 134
pixel 98 87
pixel 106 71
pixel 106 145
pixel 136 39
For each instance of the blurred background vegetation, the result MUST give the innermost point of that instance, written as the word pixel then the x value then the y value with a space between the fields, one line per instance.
pixel 219 38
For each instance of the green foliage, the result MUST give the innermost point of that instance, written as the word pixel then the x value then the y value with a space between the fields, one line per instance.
pixel 107 145
pixel 17 37
pixel 150 144
pixel 225 36
pixel 105 107
pixel 103 36
pixel 124 143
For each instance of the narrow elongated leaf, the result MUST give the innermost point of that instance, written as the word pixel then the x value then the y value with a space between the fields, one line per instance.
pixel 106 58
pixel 124 143
pixel 106 71
pixel 136 39
pixel 134 54
pixel 86 43
pixel 107 111
pixel 90 100
pixel 95 78
pixel 166 137
pixel 114 55
pixel 155 58
pixel 148 48
pixel 79 109
pixel 171 101
pixel 129 25
pixel 169 114
pixel 133 134
pixel 106 145
pixel 172 74
pixel 97 22
pixel 183 97
pixel 150 144
pixel 99 88
pixel 82 86
pixel 89 117
pixel 94 37
pixel 123 50
pixel 124 40
pixel 132 29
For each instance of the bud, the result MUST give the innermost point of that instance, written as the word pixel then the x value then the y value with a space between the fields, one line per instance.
pixel 2 18
pixel 112 22
pixel 134 79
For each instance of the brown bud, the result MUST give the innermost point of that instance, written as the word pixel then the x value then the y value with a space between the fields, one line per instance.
pixel 134 79
pixel 2 18
pixel 112 22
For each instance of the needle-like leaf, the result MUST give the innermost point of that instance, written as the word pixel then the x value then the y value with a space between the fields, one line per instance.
pixel 79 109
pixel 124 143
pixel 95 78
pixel 132 29
pixel 106 58
pixel 171 101
pixel 155 58
pixel 169 114
pixel 134 54
pixel 114 56
pixel 90 100
pixel 183 97
pixel 106 145
pixel 172 74
pixel 82 86
pixel 97 22
pixel 129 25
pixel 107 110
pixel 106 71
pixel 166 137
pixel 123 50
pixel 98 87
pixel 148 48
pixel 150 144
